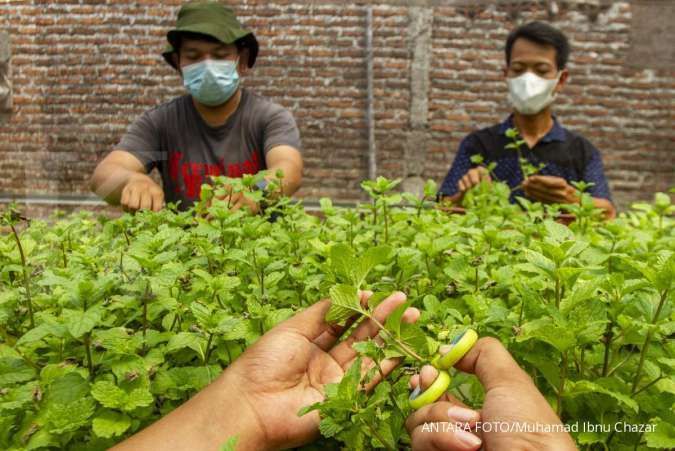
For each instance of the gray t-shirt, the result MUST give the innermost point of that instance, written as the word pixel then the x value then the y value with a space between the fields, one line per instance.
pixel 174 138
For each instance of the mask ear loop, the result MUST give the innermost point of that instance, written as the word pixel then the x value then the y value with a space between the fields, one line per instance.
pixel 554 94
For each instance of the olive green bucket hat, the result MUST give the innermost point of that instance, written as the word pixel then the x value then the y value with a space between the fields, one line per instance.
pixel 212 19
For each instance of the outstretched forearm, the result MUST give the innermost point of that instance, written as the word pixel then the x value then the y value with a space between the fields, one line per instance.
pixel 205 422
pixel 289 161
pixel 114 173
pixel 109 180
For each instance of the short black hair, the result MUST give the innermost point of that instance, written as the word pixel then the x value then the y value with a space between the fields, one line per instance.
pixel 543 34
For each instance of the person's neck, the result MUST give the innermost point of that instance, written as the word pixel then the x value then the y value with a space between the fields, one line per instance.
pixel 533 127
pixel 215 116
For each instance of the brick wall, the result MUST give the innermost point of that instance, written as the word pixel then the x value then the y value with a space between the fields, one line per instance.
pixel 83 69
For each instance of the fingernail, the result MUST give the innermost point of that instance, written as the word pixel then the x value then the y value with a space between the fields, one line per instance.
pixel 462 415
pixel 467 438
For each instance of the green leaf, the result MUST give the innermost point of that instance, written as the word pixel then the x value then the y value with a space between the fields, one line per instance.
pixel 342 258
pixel 545 330
pixel 393 322
pixel 68 388
pixel 584 387
pixel 558 232
pixel 662 437
pixel 541 263
pixel 582 291
pixel 414 337
pixel 203 315
pixel 69 417
pixel 18 398
pixel 109 424
pixel 329 427
pixel 14 370
pixel 187 340
pixel 110 395
pixel 80 323
pixel 345 303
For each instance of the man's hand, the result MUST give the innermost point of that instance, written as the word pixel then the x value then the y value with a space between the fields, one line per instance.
pixel 142 193
pixel 239 200
pixel 473 178
pixel 510 397
pixel 258 397
pixel 289 367
pixel 549 189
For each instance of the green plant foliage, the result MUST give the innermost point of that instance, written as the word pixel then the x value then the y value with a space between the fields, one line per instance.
pixel 108 324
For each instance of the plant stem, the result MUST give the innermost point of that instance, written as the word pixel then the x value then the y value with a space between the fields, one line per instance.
pixel 377 435
pixel 403 346
pixel 648 339
pixel 558 294
pixel 87 349
pixel 207 354
pixel 649 385
pixel 63 251
pixel 26 276
pixel 608 343
pixel 386 222
pixel 229 354
pixel 561 388
pixel 619 365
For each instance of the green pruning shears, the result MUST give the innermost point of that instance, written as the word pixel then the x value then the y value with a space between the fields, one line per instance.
pixel 461 344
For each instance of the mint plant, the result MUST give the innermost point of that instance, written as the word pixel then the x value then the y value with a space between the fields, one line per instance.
pixel 131 316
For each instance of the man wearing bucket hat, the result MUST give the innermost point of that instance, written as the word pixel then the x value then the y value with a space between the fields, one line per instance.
pixel 218 128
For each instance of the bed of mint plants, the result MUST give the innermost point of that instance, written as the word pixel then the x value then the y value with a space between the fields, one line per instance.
pixel 108 324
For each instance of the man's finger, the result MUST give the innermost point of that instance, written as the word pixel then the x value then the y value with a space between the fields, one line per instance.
pixel 134 200
pixel 237 205
pixel 157 201
pixel 548 181
pixel 311 323
pixel 461 185
pixel 386 367
pixel 545 195
pixel 124 200
pixel 474 177
pixel 146 200
pixel 441 411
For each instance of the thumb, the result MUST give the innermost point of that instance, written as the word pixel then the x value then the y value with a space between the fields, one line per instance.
pixel 493 365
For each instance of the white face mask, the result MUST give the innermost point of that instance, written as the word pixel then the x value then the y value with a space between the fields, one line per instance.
pixel 529 93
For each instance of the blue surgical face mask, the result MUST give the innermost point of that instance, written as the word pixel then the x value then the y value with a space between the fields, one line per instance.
pixel 211 82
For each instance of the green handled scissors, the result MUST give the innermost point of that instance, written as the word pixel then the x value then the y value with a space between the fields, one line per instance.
pixel 460 345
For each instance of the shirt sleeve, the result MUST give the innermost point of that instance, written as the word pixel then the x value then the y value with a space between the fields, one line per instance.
pixel 460 166
pixel 142 140
pixel 280 129
pixel 594 173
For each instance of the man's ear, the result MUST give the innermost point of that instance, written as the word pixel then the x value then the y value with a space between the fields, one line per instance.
pixel 243 68
pixel 564 76
pixel 176 62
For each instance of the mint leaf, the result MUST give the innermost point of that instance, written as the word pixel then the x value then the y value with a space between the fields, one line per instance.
pixel 109 424
pixel 345 304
